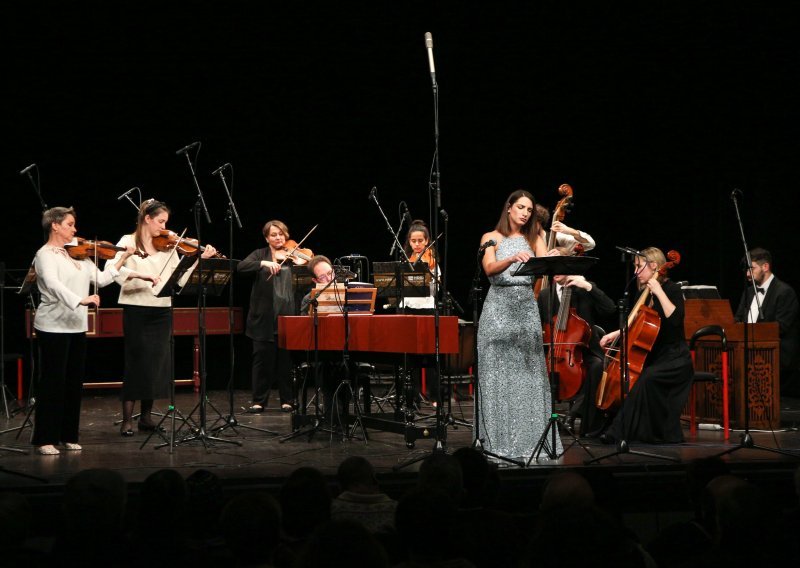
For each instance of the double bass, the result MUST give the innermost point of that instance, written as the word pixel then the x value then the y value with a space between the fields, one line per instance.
pixel 644 324
pixel 563 205
pixel 571 337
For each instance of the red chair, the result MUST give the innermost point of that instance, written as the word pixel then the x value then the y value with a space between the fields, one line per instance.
pixel 705 377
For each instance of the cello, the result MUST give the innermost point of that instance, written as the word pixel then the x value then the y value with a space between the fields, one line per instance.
pixel 571 337
pixel 563 205
pixel 644 324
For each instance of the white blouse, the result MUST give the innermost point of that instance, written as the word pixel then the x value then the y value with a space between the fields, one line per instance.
pixel 138 292
pixel 63 282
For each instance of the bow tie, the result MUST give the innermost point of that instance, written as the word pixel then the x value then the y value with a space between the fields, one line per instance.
pixel 761 290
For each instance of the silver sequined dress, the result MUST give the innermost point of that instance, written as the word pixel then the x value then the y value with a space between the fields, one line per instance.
pixel 514 393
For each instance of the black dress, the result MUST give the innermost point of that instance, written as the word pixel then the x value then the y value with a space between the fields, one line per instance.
pixel 652 411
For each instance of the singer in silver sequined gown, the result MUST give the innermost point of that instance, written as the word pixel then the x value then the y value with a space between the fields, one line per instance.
pixel 514 393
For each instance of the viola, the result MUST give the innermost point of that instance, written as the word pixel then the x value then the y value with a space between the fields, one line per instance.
pixel 644 324
pixel 167 240
pixel 291 252
pixel 563 205
pixel 82 249
pixel 571 337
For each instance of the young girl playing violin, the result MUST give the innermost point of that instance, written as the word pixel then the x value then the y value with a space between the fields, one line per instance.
pixel 652 409
pixel 417 240
pixel 271 296
pixel 61 323
pixel 146 319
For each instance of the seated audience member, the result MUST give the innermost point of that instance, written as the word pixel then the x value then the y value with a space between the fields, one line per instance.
pixel 361 499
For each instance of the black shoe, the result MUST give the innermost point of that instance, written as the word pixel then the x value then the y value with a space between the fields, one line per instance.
pixel 145 427
pixel 126 433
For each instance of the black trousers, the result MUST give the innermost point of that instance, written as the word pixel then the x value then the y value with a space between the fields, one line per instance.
pixel 58 400
pixel 271 366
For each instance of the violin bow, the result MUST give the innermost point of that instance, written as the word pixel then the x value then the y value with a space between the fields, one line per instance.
pixel 288 254
pixel 174 251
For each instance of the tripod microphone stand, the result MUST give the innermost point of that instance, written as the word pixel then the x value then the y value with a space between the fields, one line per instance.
pixel 230 421
pixel 435 186
pixel 624 384
pixel 746 440
pixel 318 420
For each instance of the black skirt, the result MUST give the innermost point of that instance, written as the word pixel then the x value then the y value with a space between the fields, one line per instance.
pixel 147 358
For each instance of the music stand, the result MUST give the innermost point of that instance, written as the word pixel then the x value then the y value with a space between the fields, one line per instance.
pixel 211 278
pixel 28 288
pixel 553 266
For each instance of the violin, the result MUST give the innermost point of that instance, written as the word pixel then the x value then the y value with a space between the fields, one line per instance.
pixel 167 240
pixel 292 252
pixel 644 324
pixel 82 249
pixel 427 257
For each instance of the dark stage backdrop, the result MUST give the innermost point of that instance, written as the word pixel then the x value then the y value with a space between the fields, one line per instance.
pixel 653 113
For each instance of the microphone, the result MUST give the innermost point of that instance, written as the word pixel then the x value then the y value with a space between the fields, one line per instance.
pixel 487 244
pixel 429 47
pixel 187 148
pixel 219 169
pixel 406 213
pixel 630 251
pixel 736 193
pixel 372 193
pixel 24 171
pixel 127 193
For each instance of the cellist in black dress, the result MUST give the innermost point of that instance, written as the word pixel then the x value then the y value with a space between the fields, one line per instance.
pixel 652 409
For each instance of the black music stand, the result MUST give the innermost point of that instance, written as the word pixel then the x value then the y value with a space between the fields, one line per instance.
pixel 29 289
pixel 210 279
pixel 553 266
pixel 170 288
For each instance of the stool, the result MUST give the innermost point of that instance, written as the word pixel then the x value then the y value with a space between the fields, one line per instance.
pixel 706 377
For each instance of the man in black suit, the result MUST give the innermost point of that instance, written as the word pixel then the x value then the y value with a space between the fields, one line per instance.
pixel 590 303
pixel 778 303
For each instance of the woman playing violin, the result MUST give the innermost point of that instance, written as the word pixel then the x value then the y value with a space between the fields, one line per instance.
pixel 652 409
pixel 61 323
pixel 271 296
pixel 146 320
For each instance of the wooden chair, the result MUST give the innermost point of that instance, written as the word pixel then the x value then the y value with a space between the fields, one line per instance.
pixel 706 377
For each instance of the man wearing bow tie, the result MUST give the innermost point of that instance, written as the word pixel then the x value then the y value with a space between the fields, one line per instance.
pixel 778 302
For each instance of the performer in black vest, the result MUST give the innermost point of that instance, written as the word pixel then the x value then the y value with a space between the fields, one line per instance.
pixel 778 303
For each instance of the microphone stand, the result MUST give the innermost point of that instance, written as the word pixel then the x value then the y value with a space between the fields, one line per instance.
pixel 200 434
pixel 201 201
pixel 37 187
pixel 746 440
pixel 346 381
pixel 317 424
pixel 232 215
pixel 440 435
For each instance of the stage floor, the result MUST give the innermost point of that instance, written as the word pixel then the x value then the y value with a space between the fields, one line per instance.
pixel 260 456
